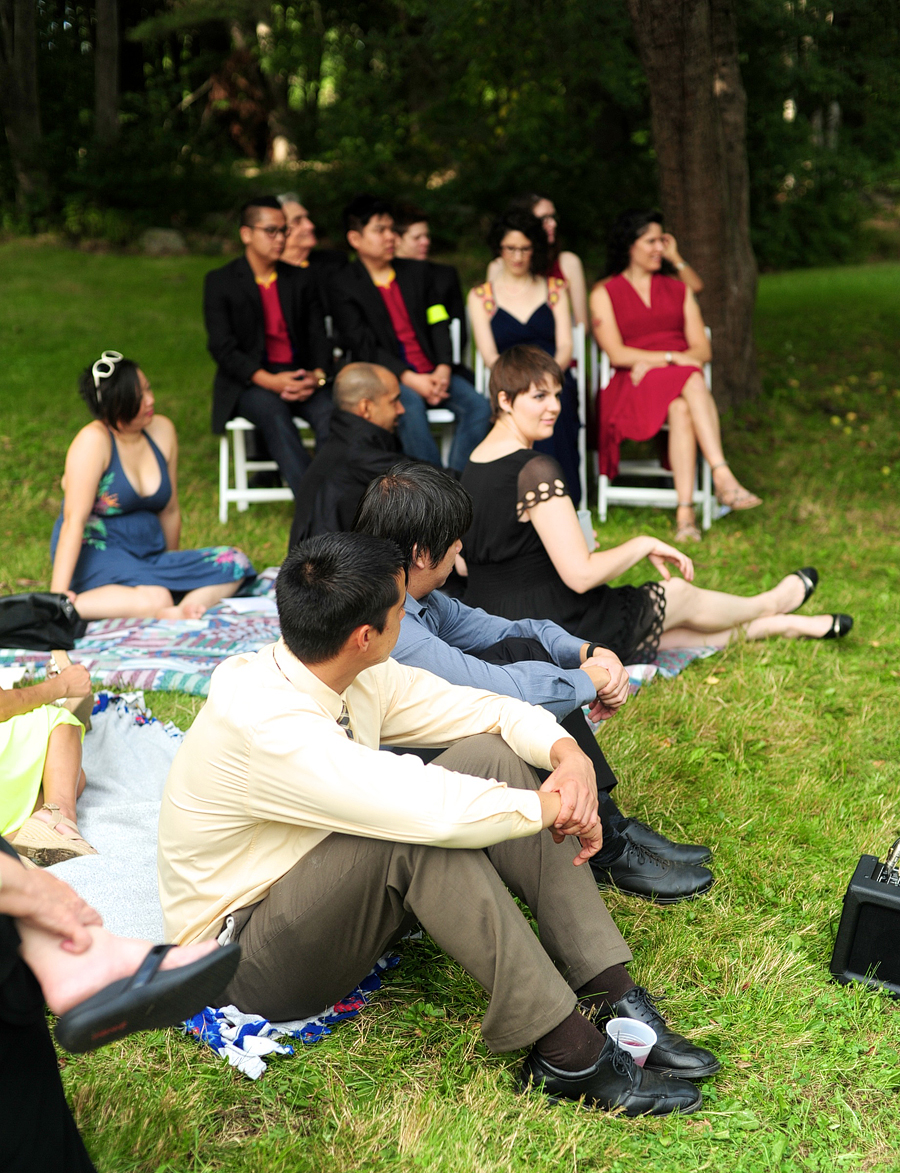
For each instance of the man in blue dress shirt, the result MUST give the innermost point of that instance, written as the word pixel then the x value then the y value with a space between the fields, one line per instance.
pixel 426 512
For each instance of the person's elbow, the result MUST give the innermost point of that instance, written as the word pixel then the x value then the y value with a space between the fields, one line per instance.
pixel 577 578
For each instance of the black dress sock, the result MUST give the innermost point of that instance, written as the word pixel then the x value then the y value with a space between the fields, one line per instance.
pixel 574 1045
pixel 597 996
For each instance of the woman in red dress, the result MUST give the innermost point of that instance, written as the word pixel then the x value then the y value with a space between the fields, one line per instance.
pixel 650 326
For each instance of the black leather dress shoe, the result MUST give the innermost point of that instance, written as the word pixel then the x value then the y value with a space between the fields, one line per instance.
pixel 640 872
pixel 673 1054
pixel 691 853
pixel 614 1081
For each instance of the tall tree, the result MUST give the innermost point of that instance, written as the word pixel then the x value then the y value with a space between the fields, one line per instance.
pixel 689 52
pixel 106 71
pixel 19 106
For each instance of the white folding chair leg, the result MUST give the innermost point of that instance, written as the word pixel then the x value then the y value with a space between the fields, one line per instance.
pixel 240 469
pixel 706 479
pixel 224 462
pixel 602 503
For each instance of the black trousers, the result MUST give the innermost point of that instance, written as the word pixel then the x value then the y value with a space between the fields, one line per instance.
pixel 513 651
pixel 36 1125
pixel 274 419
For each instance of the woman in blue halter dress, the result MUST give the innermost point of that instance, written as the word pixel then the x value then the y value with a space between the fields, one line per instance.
pixel 500 317
pixel 115 543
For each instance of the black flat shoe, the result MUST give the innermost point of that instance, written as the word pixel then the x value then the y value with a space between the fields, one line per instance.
pixel 689 853
pixel 809 576
pixel 673 1054
pixel 614 1081
pixel 641 872
pixel 840 625
pixel 151 998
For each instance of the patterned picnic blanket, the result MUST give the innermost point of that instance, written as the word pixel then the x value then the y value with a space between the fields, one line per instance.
pixel 166 655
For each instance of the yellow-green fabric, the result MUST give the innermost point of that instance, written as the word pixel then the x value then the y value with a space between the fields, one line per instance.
pixel 23 751
pixel 435 314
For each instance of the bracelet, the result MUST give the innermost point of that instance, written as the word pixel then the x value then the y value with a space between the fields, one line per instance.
pixel 593 649
pixel 668 358
pixel 680 265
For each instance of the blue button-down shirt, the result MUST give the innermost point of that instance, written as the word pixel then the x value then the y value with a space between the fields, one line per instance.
pixel 438 633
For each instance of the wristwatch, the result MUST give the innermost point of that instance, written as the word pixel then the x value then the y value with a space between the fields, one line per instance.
pixel 680 265
pixel 669 357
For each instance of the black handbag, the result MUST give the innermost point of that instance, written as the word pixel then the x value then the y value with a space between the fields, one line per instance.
pixel 39 622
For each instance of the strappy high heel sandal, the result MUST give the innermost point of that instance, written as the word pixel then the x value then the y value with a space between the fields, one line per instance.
pixel 737 498
pixel 687 532
pixel 42 843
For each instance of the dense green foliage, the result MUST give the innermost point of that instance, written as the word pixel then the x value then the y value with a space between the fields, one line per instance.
pixel 457 106
pixel 782 756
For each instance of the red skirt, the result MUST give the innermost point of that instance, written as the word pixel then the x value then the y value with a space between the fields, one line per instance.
pixel 636 413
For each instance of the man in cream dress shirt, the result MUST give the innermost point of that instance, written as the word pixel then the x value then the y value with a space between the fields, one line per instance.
pixel 284 827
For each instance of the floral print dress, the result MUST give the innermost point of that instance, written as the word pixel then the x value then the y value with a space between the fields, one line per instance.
pixel 123 542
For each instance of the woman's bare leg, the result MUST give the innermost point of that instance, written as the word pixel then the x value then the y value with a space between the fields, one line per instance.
pixel 682 458
pixel 68 978
pixel 63 778
pixel 122 602
pixel 787 626
pixel 716 611
pixel 705 417
pixel 197 601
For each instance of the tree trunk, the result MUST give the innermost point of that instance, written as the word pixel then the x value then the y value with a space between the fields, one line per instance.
pixel 106 72
pixel 698 109
pixel 19 105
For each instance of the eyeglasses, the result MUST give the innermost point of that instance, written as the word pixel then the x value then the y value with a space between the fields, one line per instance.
pixel 104 366
pixel 270 231
pixel 517 251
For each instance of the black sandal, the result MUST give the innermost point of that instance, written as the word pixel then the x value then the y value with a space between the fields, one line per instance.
pixel 151 998
pixel 840 626
pixel 809 576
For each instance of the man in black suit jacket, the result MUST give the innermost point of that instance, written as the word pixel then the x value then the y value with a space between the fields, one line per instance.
pixel 362 445
pixel 414 244
pixel 266 332
pixel 387 312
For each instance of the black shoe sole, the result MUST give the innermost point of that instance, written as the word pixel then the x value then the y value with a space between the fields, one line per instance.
pixel 695 1073
pixel 652 898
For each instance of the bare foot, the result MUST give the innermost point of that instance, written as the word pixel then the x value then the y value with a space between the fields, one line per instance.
pixel 788 594
pixel 790 626
pixel 730 491
pixel 182 611
pixel 74 977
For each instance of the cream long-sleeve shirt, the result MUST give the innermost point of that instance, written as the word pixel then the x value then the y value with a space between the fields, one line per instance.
pixel 265 773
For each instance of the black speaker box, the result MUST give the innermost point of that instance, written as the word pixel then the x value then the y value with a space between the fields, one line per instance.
pixel 867 948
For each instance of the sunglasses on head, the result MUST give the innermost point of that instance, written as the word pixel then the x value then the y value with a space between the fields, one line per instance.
pixel 104 366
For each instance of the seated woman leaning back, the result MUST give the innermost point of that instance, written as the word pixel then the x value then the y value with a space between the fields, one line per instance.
pixel 527 557
pixel 650 326
pixel 115 543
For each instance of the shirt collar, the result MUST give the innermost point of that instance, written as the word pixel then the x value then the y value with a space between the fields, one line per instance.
pixel 297 674
pixel 416 607
pixel 265 282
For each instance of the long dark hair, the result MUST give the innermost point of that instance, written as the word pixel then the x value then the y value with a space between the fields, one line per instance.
pixel 529 225
pixel 527 202
pixel 624 232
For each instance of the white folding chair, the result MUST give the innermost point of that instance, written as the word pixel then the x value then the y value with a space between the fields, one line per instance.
pixel 441 420
pixel 242 495
pixel 615 494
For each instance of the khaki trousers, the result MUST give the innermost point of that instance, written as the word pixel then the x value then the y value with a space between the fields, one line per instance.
pixel 323 925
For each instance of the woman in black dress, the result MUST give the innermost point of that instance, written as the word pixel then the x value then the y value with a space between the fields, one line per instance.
pixel 527 556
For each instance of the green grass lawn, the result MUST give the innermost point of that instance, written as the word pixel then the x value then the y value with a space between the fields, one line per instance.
pixel 782 756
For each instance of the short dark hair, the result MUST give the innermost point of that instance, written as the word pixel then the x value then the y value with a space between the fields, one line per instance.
pixel 624 232
pixel 418 507
pixel 250 210
pixel 116 399
pixel 361 209
pixel 518 220
pixel 405 215
pixel 517 369
pixel 332 584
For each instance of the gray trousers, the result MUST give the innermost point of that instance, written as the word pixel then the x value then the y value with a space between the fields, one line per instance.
pixel 322 926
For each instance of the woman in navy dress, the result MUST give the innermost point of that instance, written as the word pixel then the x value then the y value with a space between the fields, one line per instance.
pixel 523 308
pixel 115 543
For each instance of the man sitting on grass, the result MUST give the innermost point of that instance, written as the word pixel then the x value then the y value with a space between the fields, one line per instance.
pixel 426 512
pixel 284 827
pixel 360 446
